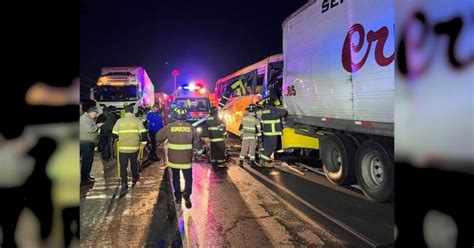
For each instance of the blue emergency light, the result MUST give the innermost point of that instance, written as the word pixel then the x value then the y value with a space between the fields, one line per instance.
pixel 193 87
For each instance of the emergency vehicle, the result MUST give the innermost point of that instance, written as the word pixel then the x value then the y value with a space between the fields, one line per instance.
pixel 195 98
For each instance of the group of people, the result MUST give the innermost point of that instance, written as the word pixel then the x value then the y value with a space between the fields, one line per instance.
pixel 124 128
pixel 260 124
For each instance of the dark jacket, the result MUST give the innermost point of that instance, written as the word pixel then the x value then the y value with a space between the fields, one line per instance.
pixel 182 138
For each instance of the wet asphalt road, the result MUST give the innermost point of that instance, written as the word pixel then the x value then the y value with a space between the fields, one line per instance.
pixel 233 207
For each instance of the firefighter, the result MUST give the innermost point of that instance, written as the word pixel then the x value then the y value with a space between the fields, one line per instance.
pixel 182 138
pixel 130 132
pixel 272 127
pixel 250 131
pixel 216 130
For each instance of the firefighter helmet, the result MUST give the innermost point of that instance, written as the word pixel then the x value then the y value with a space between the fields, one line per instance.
pixel 252 108
pixel 213 110
pixel 179 112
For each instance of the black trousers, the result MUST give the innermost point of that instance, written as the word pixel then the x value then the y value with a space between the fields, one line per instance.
pixel 153 145
pixel 269 146
pixel 71 225
pixel 217 152
pixel 87 153
pixel 105 144
pixel 188 185
pixel 124 158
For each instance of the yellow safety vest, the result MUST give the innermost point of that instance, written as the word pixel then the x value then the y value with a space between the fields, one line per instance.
pixel 129 130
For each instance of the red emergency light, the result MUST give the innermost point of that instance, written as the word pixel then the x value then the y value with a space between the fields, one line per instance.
pixel 194 87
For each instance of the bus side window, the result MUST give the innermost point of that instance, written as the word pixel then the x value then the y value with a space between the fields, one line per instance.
pixel 248 87
pixel 259 88
pixel 236 92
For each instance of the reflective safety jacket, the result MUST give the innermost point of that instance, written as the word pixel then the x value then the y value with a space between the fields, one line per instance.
pixel 216 129
pixel 182 138
pixel 250 126
pixel 130 131
pixel 271 120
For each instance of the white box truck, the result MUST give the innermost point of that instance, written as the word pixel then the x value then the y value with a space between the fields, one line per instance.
pixel 124 85
pixel 338 86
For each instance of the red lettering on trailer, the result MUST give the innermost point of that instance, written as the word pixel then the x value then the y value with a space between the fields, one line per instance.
pixel 349 48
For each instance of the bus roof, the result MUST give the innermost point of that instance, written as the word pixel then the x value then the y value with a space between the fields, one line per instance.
pixel 273 58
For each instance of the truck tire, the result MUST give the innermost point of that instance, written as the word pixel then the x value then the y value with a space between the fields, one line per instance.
pixel 375 171
pixel 337 155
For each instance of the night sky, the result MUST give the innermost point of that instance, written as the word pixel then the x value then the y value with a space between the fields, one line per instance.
pixel 205 40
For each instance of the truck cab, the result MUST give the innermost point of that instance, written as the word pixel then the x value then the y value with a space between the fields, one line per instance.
pixel 123 85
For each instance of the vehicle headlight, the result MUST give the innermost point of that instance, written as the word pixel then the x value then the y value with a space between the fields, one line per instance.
pixel 199 129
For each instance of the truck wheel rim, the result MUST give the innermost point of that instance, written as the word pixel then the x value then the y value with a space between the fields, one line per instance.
pixel 373 170
pixel 336 160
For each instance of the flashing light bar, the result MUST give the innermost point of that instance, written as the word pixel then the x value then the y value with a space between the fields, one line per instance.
pixel 193 87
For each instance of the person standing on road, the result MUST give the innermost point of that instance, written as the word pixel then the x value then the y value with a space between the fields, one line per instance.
pixel 155 124
pixel 130 132
pixel 216 130
pixel 105 136
pixel 251 130
pixel 182 138
pixel 88 138
pixel 272 130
